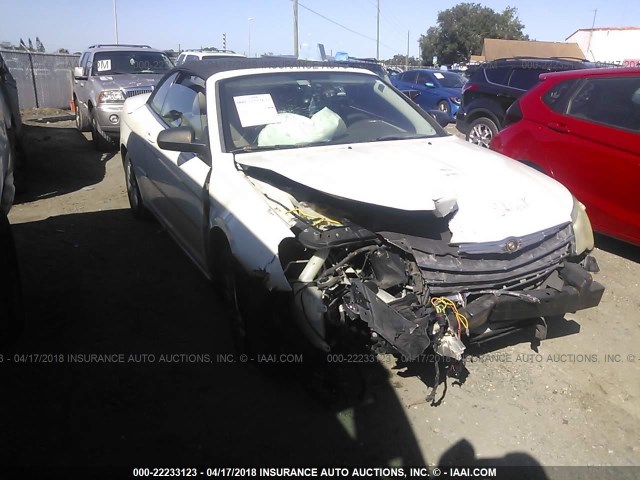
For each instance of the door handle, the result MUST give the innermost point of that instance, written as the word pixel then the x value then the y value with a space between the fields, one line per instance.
pixel 558 127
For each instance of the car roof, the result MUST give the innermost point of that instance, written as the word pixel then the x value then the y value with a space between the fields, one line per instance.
pixel 207 68
pixel 230 53
pixel 110 47
pixel 593 72
pixel 560 61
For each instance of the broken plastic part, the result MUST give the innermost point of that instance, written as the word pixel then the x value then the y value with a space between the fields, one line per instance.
pixel 450 346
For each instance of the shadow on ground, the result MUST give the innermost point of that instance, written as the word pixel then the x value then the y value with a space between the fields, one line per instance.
pixel 59 160
pixel 101 283
pixel 618 247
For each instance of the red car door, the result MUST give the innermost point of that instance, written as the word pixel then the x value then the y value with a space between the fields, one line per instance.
pixel 593 148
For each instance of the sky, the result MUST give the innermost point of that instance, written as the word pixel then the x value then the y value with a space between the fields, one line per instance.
pixel 261 26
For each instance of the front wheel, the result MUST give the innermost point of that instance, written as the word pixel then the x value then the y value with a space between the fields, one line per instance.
pixel 82 122
pixel 481 131
pixel 11 308
pixel 101 140
pixel 133 190
pixel 444 107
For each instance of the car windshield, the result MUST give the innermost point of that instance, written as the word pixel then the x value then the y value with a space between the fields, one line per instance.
pixel 306 108
pixel 450 80
pixel 122 62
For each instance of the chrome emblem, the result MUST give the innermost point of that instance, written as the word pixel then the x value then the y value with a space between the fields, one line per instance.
pixel 512 245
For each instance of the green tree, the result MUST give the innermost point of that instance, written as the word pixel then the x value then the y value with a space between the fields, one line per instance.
pixel 461 30
pixel 399 59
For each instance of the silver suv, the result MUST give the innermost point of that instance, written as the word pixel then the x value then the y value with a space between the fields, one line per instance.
pixel 105 77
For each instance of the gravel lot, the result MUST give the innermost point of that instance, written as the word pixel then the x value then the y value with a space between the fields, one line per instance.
pixel 97 282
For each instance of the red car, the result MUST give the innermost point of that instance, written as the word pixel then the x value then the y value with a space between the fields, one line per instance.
pixel 582 127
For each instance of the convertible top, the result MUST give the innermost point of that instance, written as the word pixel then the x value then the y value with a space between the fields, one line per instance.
pixel 206 68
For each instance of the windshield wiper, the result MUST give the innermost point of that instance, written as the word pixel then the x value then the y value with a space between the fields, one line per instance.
pixel 260 148
pixel 402 136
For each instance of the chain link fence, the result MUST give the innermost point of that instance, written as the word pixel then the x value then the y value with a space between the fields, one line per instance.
pixel 44 79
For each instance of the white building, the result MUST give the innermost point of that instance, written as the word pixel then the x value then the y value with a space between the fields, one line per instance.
pixel 619 45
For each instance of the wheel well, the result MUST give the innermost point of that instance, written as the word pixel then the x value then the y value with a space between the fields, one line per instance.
pixel 217 244
pixel 533 165
pixel 484 114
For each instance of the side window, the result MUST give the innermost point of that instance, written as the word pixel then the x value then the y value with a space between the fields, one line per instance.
pixel 524 78
pixel 610 101
pixel 497 75
pixel 191 58
pixel 557 97
pixel 423 78
pixel 160 94
pixel 185 105
pixel 409 77
pixel 180 59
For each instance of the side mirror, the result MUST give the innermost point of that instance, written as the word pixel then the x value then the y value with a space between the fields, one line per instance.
pixel 181 139
pixel 78 73
pixel 430 85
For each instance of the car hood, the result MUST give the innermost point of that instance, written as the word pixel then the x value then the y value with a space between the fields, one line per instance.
pixel 488 196
pixel 128 81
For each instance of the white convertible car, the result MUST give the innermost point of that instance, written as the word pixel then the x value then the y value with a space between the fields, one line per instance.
pixel 321 196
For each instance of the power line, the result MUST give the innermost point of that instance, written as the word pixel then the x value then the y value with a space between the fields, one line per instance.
pixel 342 26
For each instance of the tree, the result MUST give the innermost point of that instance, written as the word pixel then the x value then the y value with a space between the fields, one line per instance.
pixel 39 46
pixel 63 50
pixel 399 59
pixel 461 31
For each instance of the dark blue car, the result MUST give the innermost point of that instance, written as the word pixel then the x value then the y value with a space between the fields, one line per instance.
pixel 438 89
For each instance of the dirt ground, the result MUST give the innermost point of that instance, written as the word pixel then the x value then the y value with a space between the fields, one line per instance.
pixel 96 281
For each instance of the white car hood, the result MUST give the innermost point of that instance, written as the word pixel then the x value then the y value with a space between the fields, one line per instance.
pixel 496 197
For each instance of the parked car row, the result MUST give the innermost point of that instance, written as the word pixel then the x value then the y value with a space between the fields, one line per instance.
pixel 582 127
pixel 320 199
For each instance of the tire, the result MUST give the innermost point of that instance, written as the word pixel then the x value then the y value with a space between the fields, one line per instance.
pixel 481 131
pixel 82 122
pixel 101 140
pixel 11 307
pixel 247 304
pixel 136 203
pixel 444 107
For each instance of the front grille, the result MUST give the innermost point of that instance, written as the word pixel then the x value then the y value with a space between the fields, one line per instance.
pixel 132 92
pixel 513 271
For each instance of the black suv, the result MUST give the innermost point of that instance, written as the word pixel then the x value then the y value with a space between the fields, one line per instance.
pixel 495 85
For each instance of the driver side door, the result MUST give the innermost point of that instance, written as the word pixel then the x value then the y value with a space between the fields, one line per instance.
pixel 180 179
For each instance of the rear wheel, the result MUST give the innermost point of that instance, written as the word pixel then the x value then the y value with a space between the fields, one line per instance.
pixel 481 131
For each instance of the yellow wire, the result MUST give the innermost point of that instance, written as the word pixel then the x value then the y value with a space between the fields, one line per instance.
pixel 441 304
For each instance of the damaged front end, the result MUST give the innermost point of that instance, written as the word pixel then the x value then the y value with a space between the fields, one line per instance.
pixel 395 274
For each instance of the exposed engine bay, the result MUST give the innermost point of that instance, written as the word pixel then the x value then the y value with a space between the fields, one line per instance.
pixel 395 273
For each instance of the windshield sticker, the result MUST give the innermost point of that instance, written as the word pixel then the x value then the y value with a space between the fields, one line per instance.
pixel 104 65
pixel 438 75
pixel 256 109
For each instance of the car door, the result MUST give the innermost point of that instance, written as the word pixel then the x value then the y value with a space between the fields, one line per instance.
pixel 81 89
pixel 428 87
pixel 178 179
pixel 593 147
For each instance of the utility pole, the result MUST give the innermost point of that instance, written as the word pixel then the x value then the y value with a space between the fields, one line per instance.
pixel 593 24
pixel 295 28
pixel 249 24
pixel 378 32
pixel 115 20
pixel 406 63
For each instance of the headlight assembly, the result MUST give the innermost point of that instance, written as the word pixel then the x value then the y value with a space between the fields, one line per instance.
pixel 111 96
pixel 581 228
